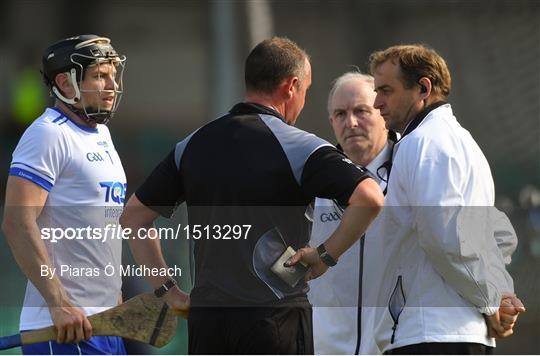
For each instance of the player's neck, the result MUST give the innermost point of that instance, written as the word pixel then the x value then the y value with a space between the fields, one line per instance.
pixel 74 117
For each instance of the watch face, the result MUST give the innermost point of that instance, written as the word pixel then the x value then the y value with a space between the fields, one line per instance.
pixel 327 259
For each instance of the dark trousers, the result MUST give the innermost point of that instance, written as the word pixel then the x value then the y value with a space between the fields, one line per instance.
pixel 442 348
pixel 251 330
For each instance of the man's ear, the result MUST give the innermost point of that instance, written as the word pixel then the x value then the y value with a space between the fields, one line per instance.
pixel 288 87
pixel 425 86
pixel 63 83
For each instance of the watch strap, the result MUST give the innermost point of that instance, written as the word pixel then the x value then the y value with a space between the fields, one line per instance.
pixel 325 256
pixel 160 292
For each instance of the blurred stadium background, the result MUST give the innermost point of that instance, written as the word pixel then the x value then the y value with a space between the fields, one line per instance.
pixel 185 66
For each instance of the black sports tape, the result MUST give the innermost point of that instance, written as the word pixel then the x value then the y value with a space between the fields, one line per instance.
pixel 159 324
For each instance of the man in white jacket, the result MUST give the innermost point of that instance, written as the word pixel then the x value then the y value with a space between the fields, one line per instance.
pixel 443 273
pixel 339 321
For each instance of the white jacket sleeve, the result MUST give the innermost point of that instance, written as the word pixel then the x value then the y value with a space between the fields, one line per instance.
pixel 505 235
pixel 459 241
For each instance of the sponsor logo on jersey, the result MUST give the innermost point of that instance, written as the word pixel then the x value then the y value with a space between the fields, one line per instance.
pixel 115 191
pixel 327 217
pixel 94 157
pixel 103 143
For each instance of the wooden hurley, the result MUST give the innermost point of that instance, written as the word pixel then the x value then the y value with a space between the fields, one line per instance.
pixel 143 318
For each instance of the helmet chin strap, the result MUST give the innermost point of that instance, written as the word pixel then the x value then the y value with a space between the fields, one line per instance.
pixel 72 78
pixel 98 118
pixel 102 117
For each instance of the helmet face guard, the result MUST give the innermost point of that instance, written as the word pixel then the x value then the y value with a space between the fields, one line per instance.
pixel 100 114
pixel 73 57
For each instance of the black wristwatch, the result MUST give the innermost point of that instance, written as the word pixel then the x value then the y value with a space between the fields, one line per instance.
pixel 160 292
pixel 325 256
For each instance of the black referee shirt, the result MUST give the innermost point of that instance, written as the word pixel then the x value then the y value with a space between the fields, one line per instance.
pixel 246 168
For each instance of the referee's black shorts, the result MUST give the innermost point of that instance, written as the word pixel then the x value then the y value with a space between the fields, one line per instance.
pixel 282 329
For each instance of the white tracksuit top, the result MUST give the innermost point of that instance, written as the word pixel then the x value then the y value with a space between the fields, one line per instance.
pixel 445 245
pixel 334 295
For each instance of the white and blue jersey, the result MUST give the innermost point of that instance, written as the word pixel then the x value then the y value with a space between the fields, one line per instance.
pixel 82 172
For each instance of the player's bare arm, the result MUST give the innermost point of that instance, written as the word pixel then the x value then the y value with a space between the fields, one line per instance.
pixel 147 252
pixel 24 202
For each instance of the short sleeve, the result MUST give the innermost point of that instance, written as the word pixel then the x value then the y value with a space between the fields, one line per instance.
pixel 40 155
pixel 329 174
pixel 162 190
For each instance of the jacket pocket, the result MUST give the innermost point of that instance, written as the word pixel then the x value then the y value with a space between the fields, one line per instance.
pixel 396 304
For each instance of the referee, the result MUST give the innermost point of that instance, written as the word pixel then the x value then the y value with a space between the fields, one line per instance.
pixel 252 171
